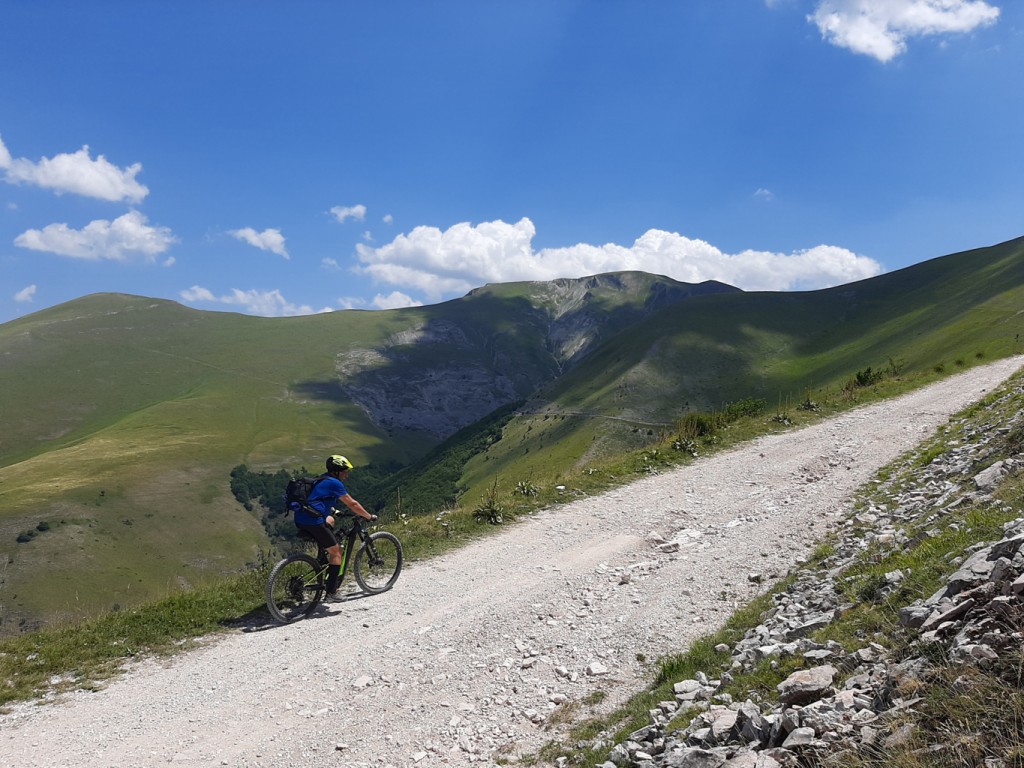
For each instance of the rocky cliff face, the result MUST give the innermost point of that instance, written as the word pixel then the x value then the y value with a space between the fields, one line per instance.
pixel 444 374
pixel 578 310
pixel 438 388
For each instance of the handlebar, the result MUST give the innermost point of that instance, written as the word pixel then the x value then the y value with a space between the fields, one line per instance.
pixel 336 513
pixel 357 520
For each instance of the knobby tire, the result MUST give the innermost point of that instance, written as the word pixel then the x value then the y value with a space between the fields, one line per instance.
pixel 378 563
pixel 295 587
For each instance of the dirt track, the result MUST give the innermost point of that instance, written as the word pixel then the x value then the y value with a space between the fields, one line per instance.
pixel 465 658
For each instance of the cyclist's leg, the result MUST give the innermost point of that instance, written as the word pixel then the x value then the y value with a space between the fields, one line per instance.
pixel 326 540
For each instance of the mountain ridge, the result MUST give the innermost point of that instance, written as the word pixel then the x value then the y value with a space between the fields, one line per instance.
pixel 124 415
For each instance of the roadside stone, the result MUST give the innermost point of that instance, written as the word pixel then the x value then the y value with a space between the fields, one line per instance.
pixel 807 685
pixel 801 737
pixel 987 479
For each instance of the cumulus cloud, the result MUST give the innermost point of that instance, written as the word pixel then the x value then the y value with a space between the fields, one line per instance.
pixel 26 294
pixel 440 264
pixel 880 28
pixel 395 300
pixel 388 219
pixel 197 294
pixel 342 213
pixel 351 302
pixel 764 194
pixel 268 240
pixel 77 173
pixel 264 303
pixel 122 239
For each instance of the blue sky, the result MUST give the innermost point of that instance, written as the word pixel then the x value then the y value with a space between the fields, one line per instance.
pixel 281 158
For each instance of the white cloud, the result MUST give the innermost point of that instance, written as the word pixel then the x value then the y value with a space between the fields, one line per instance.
pixel 77 173
pixel 264 303
pixel 341 213
pixel 442 264
pixel 454 261
pixel 764 194
pixel 118 240
pixel 388 219
pixel 25 294
pixel 880 28
pixel 395 300
pixel 268 240
pixel 351 302
pixel 332 264
pixel 196 294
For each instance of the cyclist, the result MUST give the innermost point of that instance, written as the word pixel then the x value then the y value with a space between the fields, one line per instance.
pixel 317 519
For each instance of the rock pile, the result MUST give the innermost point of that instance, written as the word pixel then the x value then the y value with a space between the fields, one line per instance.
pixel 844 702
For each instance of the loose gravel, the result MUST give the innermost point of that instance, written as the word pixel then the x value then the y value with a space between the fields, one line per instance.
pixel 469 657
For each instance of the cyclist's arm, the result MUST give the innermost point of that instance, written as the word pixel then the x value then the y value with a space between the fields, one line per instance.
pixel 355 506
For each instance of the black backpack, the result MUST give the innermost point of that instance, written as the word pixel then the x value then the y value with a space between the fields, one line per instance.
pixel 298 491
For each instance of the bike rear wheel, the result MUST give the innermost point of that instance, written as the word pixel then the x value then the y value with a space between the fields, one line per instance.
pixel 378 562
pixel 294 588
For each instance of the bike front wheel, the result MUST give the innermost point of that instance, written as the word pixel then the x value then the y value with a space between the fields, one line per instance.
pixel 378 562
pixel 294 588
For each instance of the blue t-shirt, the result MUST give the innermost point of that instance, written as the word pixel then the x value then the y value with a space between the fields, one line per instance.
pixel 325 493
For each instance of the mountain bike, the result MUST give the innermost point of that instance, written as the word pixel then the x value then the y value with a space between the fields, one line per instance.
pixel 297 583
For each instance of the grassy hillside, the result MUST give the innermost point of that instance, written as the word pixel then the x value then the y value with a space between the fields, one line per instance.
pixel 944 314
pixel 124 416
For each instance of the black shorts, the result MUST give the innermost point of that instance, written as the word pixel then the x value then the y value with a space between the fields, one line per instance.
pixel 321 533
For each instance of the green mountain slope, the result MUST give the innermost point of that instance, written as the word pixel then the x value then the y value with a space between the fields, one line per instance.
pixel 124 415
pixel 712 350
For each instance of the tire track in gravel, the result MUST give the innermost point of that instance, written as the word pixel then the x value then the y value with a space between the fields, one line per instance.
pixel 465 659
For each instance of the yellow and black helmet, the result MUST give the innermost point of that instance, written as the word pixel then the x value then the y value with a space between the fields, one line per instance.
pixel 337 463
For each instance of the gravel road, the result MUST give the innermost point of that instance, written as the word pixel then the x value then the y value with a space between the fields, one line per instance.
pixel 466 659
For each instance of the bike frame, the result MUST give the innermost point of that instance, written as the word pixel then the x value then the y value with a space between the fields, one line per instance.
pixel 358 531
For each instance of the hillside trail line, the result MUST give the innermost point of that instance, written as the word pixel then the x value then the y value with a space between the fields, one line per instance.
pixel 466 659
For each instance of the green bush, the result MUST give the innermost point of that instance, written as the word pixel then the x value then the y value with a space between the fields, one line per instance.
pixel 490 510
pixel 698 424
pixel 867 377
pixel 748 406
